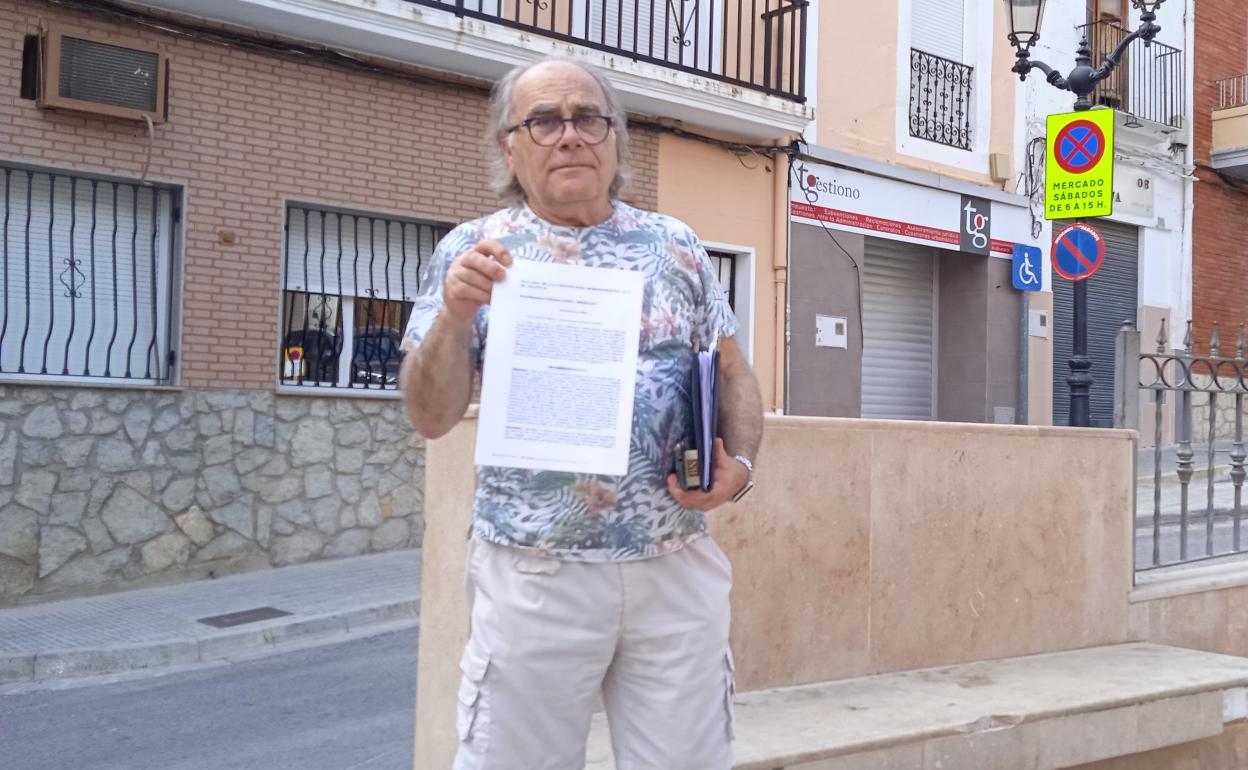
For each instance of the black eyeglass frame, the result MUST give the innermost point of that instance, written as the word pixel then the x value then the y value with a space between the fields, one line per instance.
pixel 575 120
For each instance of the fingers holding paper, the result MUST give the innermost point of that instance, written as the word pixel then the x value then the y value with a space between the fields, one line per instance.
pixel 471 278
pixel 730 477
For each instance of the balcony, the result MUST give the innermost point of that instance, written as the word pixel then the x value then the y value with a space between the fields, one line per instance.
pixel 730 65
pixel 1229 152
pixel 1148 83
pixel 940 100
pixel 757 44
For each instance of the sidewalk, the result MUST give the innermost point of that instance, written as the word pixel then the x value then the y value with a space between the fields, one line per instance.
pixel 158 627
pixel 1146 456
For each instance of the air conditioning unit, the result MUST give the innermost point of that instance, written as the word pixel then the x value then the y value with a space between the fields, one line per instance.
pixel 86 74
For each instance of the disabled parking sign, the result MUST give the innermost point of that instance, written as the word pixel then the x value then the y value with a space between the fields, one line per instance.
pixel 1079 165
pixel 1026 267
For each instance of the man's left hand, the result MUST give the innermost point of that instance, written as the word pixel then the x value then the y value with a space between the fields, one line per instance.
pixel 729 476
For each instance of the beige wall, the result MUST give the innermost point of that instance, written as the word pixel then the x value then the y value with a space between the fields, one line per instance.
pixel 857 88
pixel 871 547
pixel 867 547
pixel 1230 128
pixel 733 199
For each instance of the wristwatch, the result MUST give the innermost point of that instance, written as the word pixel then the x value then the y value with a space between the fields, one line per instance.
pixel 749 484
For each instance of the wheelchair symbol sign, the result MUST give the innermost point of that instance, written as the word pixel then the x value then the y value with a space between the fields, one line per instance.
pixel 1027 271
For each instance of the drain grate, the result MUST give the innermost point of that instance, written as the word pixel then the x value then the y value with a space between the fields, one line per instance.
pixel 254 615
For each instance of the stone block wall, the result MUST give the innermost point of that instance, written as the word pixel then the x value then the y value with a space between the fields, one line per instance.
pixel 106 488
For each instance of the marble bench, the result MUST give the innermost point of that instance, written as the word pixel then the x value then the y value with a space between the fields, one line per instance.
pixel 1031 713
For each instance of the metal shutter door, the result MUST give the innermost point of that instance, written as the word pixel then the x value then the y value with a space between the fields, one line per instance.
pixel 938 28
pixel 898 353
pixel 1112 299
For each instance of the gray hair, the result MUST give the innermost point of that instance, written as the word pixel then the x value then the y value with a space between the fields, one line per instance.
pixel 498 121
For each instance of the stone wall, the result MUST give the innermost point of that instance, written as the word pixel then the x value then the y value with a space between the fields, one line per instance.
pixel 106 488
pixel 1222 405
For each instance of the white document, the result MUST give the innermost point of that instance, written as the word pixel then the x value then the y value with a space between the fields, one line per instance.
pixel 560 369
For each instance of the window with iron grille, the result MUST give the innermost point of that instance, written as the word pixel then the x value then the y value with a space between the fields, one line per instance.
pixel 349 281
pixel 87 277
pixel 941 80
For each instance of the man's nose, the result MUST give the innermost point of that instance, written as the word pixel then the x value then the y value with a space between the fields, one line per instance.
pixel 570 137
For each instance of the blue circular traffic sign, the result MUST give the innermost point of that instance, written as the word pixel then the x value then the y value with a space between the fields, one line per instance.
pixel 1079 146
pixel 1078 252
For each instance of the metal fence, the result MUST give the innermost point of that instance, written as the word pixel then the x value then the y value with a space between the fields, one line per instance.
pixel 940 100
pixel 757 44
pixel 1232 92
pixel 86 277
pixel 349 283
pixel 1191 397
pixel 1148 83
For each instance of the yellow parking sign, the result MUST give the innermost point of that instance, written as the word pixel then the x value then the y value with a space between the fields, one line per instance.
pixel 1079 165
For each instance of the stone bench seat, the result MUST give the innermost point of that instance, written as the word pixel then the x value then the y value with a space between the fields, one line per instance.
pixel 1031 713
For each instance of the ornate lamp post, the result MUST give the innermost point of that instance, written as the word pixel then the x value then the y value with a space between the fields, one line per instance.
pixel 1024 19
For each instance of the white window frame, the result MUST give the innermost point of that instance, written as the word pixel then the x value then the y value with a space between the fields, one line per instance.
pixel 745 259
pixel 167 296
pixel 978 47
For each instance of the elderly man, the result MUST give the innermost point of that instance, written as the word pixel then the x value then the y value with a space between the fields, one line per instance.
pixel 584 584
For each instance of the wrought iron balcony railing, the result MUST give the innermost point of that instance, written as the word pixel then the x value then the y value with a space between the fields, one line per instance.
pixel 1148 84
pixel 756 44
pixel 940 100
pixel 1232 92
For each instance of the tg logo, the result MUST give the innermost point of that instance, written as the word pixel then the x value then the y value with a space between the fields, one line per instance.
pixel 975 233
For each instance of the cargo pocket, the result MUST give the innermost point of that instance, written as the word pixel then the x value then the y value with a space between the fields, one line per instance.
pixel 473 718
pixel 730 691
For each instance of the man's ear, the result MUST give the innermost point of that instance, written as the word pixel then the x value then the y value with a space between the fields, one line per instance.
pixel 504 143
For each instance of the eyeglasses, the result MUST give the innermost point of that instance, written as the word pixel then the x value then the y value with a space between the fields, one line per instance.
pixel 547 130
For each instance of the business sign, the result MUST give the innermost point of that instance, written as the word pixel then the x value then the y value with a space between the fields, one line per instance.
pixel 1079 165
pixel 889 208
pixel 976 234
pixel 1026 271
pixel 1078 252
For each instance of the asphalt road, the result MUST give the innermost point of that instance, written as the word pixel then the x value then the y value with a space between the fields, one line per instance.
pixel 348 706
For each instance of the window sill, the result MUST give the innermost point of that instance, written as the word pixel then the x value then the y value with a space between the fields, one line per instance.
pixel 337 392
pixel 37 381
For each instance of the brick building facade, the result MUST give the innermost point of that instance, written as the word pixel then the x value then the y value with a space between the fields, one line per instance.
pixel 211 466
pixel 1219 251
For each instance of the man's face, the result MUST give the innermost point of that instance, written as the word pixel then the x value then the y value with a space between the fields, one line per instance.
pixel 571 172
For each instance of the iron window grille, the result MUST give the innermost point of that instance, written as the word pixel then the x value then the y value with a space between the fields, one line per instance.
pixel 87 277
pixel 940 100
pixel 349 282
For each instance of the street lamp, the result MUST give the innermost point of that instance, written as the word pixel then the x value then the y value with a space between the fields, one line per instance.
pixel 1025 16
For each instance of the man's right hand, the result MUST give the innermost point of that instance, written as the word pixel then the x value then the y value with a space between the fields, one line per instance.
pixel 471 278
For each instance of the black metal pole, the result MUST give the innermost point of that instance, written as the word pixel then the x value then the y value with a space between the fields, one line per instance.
pixel 1080 378
pixel 1082 82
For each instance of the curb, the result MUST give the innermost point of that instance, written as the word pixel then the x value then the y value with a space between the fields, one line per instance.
pixel 1171 478
pixel 19 668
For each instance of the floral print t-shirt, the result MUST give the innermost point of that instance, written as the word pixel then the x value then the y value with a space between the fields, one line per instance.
pixel 593 517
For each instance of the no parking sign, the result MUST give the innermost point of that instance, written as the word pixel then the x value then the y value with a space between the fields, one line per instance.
pixel 1078 252
pixel 1079 165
